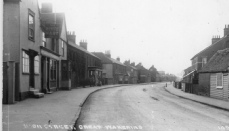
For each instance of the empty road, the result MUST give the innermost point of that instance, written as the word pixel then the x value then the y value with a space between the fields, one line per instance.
pixel 147 108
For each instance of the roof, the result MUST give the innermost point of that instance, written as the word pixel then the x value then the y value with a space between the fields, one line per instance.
pixel 107 60
pixel 210 50
pixel 80 48
pixel 218 62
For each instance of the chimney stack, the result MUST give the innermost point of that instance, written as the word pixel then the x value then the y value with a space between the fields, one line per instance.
pixel 118 59
pixel 226 30
pixel 71 36
pixel 83 44
pixel 108 53
pixel 46 8
pixel 215 39
pixel 132 64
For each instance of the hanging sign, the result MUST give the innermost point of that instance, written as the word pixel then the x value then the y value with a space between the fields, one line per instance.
pixel 52 30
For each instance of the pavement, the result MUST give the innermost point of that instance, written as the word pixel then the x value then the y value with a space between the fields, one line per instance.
pixel 217 103
pixel 57 111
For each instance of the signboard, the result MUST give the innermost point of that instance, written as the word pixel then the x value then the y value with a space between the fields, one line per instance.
pixel 52 30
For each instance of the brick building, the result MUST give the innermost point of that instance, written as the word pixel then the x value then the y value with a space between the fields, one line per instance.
pixel 84 64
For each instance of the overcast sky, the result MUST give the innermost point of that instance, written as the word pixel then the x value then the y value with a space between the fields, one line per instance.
pixel 163 33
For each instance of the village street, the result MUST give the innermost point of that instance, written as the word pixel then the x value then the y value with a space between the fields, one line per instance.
pixel 147 108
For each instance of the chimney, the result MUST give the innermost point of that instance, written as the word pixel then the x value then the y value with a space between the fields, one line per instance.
pixel 108 53
pixel 226 30
pixel 83 44
pixel 215 39
pixel 132 64
pixel 118 59
pixel 71 36
pixel 46 8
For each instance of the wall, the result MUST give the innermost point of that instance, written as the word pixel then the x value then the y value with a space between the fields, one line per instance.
pixel 11 28
pixel 27 44
pixel 108 69
pixel 204 84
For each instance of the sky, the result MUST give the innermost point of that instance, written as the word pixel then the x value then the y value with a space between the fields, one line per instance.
pixel 163 33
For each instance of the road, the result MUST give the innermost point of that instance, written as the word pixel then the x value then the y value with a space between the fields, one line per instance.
pixel 147 108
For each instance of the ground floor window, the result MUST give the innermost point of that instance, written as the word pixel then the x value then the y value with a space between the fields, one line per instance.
pixel 53 69
pixel 219 80
pixel 36 65
pixel 25 62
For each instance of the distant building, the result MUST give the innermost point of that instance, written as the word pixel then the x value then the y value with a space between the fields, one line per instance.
pixel 132 72
pixel 114 71
pixel 143 74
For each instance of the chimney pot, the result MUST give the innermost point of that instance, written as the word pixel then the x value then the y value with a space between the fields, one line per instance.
pixel 46 8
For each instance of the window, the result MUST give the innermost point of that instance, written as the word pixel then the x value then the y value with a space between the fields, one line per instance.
pixel 31 25
pixel 53 69
pixel 219 80
pixel 43 40
pixel 36 65
pixel 54 42
pixel 25 62
pixel 62 46
pixel 204 61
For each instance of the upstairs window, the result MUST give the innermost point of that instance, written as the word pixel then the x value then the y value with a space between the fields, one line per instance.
pixel 43 40
pixel 204 61
pixel 25 62
pixel 31 25
pixel 62 46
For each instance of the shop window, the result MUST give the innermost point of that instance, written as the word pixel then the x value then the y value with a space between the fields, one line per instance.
pixel 219 80
pixel 36 65
pixel 53 69
pixel 31 25
pixel 25 62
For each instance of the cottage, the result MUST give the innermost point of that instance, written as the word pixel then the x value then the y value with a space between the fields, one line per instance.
pixel 86 68
pixel 202 58
pixel 215 75
pixel 114 71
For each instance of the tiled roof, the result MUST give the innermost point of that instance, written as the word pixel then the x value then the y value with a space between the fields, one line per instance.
pixel 80 48
pixel 211 50
pixel 107 60
pixel 218 62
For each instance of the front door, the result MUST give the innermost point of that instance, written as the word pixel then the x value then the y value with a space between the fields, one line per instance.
pixel 31 70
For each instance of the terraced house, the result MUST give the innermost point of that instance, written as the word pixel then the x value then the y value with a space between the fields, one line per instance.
pixel 21 49
pixel 114 71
